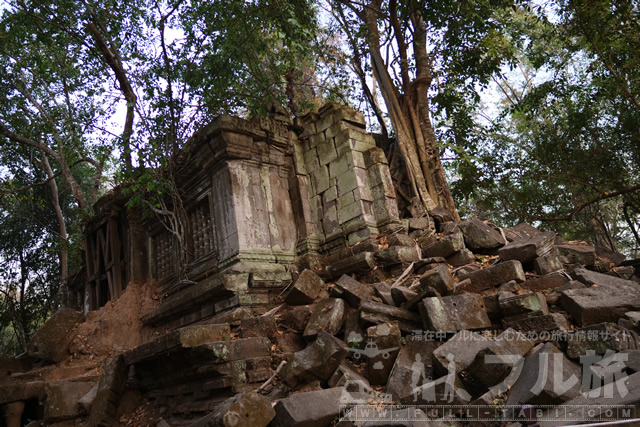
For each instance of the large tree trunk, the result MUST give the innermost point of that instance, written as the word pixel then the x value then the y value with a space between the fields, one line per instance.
pixel 432 166
pixel 63 255
pixel 409 109
pixel 398 117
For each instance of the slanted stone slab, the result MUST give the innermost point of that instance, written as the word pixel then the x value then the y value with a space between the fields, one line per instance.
pixel 493 276
pixel 412 368
pixel 623 391
pixel 547 264
pixel 401 294
pixel 426 292
pixel 383 291
pixel 51 342
pixel 399 239
pixel 62 399
pixel 327 315
pixel 547 378
pixel 446 246
pixel 319 360
pixel 479 236
pixel 615 257
pixel 494 363
pixel 526 250
pixel 311 409
pixel 245 409
pixel 438 278
pixel 520 231
pixel 110 387
pixel 233 317
pixel 157 369
pixel 376 313
pixel 187 337
pixel 386 338
pixel 352 291
pixel 606 300
pixel 426 264
pixel 345 375
pixel 551 281
pixel 397 255
pixel 419 223
pixel 460 258
pixel 583 255
pixel 306 289
pixel 623 272
pixel 537 324
pixel 362 262
pixel 454 313
pixel 441 215
pixel 525 305
pixel 460 352
pixel 591 278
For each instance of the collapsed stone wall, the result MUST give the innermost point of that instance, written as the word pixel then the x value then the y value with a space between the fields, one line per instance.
pixel 389 312
pixel 476 318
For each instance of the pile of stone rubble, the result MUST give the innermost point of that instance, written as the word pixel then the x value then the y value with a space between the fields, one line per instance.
pixel 473 325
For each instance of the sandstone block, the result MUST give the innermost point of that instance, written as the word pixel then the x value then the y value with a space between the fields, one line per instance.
pixel 547 378
pixel 547 264
pixel 310 409
pixel 318 361
pixel 479 236
pixel 51 342
pixel 583 255
pixel 493 276
pixel 62 399
pixel 327 315
pixel 526 250
pixel 606 300
pixel 460 258
pixel 352 291
pixel 525 305
pixel 454 313
pixel 386 339
pixel 444 247
pixel 306 289
pixel 438 278
pixel 413 367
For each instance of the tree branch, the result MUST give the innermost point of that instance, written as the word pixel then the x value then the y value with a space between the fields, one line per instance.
pixel 577 209
pixel 114 63
pixel 621 83
pixel 4 130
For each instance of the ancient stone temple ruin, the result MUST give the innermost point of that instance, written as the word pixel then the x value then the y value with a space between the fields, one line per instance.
pixel 300 296
pixel 260 199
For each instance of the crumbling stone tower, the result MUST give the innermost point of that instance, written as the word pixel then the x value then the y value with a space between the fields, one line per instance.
pixel 261 200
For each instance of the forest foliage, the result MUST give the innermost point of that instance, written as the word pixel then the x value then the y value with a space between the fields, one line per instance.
pixel 506 110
